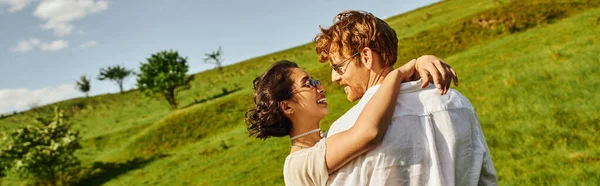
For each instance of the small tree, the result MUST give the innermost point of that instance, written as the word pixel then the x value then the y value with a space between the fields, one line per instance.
pixel 34 105
pixel 164 73
pixel 43 153
pixel 115 73
pixel 215 58
pixel 84 85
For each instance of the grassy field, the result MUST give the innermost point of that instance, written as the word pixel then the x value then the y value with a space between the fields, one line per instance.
pixel 534 90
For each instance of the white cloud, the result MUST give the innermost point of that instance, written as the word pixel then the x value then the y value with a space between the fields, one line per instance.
pixel 54 46
pixel 26 45
pixel 88 44
pixel 34 41
pixel 16 5
pixel 22 98
pixel 59 14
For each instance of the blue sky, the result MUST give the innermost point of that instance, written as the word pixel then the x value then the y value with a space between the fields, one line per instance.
pixel 46 45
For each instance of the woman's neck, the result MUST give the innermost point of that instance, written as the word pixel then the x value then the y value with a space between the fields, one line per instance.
pixel 307 140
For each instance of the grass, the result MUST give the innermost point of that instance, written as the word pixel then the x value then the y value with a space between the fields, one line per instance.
pixel 535 108
pixel 513 17
pixel 533 91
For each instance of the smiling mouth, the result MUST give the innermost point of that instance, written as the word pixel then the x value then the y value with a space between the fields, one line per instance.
pixel 321 101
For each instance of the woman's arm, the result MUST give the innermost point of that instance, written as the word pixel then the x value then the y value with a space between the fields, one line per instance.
pixel 433 68
pixel 371 124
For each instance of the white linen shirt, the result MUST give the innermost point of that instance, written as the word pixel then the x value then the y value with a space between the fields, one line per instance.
pixel 433 140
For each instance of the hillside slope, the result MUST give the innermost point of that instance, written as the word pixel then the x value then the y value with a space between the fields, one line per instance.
pixel 538 133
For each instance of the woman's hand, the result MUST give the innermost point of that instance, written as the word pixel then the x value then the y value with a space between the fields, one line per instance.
pixel 430 67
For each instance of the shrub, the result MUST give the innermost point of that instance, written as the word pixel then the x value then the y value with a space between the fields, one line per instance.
pixel 516 16
pixel 42 153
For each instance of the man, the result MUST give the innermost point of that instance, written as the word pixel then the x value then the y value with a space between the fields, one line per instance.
pixel 433 139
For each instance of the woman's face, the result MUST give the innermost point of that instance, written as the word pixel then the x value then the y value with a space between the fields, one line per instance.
pixel 308 97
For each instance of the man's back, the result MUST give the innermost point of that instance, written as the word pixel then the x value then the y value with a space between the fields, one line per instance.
pixel 432 140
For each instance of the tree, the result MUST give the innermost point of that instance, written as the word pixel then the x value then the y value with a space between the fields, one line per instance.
pixel 34 105
pixel 44 153
pixel 84 85
pixel 164 73
pixel 215 58
pixel 115 73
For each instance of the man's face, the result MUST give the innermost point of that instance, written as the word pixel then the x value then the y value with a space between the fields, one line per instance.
pixel 353 76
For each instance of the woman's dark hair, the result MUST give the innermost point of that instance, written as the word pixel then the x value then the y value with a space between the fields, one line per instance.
pixel 266 119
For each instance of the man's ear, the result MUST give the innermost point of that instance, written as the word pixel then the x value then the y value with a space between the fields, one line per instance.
pixel 285 108
pixel 366 58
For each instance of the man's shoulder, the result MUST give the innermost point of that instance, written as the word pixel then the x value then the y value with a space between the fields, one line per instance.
pixel 428 100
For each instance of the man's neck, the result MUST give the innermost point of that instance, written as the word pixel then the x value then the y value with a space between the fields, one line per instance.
pixel 376 77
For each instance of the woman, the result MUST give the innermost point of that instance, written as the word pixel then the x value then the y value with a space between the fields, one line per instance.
pixel 288 101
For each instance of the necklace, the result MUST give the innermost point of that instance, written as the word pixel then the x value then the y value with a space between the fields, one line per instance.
pixel 301 147
pixel 304 134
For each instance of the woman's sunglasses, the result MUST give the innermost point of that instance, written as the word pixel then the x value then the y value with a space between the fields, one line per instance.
pixel 312 83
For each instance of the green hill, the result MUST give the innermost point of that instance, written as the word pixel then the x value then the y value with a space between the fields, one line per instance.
pixel 530 68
